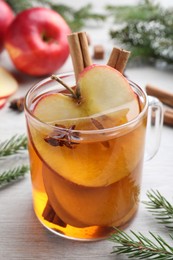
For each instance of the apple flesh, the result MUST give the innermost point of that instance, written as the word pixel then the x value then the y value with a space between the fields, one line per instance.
pixel 103 90
pixel 74 115
pixel 105 96
pixel 64 108
pixel 37 41
pixel 6 17
pixel 8 84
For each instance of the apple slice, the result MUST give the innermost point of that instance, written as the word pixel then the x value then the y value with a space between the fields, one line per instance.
pixel 76 114
pixel 104 206
pixel 93 164
pixel 102 88
pixel 106 97
pixel 57 106
pixel 97 121
pixel 8 84
pixel 2 102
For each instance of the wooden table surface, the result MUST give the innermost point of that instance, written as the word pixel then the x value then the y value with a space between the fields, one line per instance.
pixel 22 237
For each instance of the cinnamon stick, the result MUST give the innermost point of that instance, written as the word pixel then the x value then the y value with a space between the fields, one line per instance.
pixel 98 125
pixel 118 59
pixel 163 95
pixel 50 215
pixel 168 117
pixel 78 44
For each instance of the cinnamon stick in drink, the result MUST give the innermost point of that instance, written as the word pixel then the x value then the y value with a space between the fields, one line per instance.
pixel 163 95
pixel 50 215
pixel 118 59
pixel 78 44
pixel 81 59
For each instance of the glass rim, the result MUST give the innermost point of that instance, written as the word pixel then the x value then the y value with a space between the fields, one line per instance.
pixel 88 132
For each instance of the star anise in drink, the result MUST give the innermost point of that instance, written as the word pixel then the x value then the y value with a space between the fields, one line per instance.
pixel 63 137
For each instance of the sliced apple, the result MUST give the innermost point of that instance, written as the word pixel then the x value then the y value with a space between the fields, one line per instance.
pixel 103 206
pixel 97 121
pixel 106 97
pixel 2 102
pixel 92 164
pixel 57 106
pixel 103 88
pixel 8 84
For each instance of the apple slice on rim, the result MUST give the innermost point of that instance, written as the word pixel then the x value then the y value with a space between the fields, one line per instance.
pixel 8 84
pixel 57 106
pixel 103 89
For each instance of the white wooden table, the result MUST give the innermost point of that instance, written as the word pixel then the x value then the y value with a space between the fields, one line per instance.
pixel 22 237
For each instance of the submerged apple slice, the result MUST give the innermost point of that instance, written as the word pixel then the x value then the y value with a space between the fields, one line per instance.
pixel 97 121
pixel 103 206
pixel 8 84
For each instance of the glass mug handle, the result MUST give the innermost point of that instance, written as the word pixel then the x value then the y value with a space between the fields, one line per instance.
pixel 154 127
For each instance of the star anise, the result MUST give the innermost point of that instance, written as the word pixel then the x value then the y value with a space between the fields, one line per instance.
pixel 63 137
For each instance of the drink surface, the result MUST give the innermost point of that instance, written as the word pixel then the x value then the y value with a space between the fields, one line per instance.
pixel 92 185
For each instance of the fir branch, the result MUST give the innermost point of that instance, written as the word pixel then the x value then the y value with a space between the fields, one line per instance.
pixel 145 10
pixel 145 29
pixel 76 19
pixel 15 144
pixel 139 246
pixel 13 174
pixel 160 208
pixel 19 5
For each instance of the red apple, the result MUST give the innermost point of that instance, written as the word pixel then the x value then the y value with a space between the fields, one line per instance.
pixel 6 17
pixel 37 41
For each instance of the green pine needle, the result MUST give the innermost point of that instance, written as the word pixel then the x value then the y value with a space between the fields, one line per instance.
pixel 145 29
pixel 15 144
pixel 145 10
pixel 77 19
pixel 13 174
pixel 138 246
pixel 160 208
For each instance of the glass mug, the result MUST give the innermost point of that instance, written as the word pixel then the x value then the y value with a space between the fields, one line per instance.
pixel 84 192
